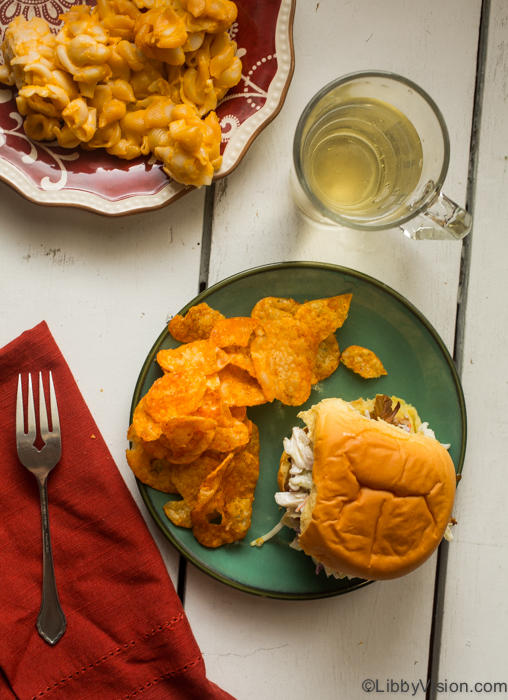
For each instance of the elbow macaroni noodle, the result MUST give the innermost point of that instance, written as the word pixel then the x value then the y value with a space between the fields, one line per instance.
pixel 131 76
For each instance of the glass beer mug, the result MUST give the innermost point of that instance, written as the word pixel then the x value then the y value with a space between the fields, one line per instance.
pixel 371 152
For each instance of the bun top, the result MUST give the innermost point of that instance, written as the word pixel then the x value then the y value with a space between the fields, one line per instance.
pixel 381 498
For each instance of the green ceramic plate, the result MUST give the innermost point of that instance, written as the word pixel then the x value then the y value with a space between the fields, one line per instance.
pixel 420 370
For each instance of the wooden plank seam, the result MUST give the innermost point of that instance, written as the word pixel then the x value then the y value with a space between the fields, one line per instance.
pixel 204 270
pixel 458 351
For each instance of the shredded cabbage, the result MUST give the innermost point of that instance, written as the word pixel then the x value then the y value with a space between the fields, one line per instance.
pixel 299 448
pixel 448 535
pixel 425 430
pixel 290 499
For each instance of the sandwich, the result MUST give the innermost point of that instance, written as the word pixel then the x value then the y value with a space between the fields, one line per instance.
pixel 367 487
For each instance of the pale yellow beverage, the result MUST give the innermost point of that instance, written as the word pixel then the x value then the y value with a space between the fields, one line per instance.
pixel 362 159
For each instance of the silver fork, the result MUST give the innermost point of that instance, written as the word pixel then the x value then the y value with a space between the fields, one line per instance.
pixel 51 622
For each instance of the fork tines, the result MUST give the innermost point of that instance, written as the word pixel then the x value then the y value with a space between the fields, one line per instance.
pixel 45 432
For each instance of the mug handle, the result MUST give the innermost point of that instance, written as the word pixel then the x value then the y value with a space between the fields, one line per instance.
pixel 443 220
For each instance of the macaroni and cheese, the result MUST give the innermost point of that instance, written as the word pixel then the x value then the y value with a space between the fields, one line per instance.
pixel 131 76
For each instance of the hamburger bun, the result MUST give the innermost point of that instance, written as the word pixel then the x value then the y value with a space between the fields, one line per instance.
pixel 381 496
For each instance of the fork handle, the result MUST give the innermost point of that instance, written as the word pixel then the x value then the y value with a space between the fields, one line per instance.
pixel 51 622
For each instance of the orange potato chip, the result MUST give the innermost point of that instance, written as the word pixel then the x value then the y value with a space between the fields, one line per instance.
pixel 231 415
pixel 226 498
pixel 210 406
pixel 233 331
pixel 284 353
pixel 249 425
pixel 201 355
pixel 253 445
pixel 238 388
pixel 152 472
pixel 212 482
pixel 175 394
pixel 158 449
pixel 179 512
pixel 187 437
pixel 162 449
pixel 241 357
pixel 188 478
pixel 241 479
pixel 271 308
pixel 143 423
pixel 238 412
pixel 226 417
pixel 197 324
pixel 212 381
pixel 230 437
pixel 324 316
pixel 327 360
pixel 362 361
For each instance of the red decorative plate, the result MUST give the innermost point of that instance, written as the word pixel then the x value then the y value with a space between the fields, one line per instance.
pixel 47 174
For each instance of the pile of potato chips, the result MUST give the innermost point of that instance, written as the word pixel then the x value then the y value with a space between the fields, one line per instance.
pixel 190 433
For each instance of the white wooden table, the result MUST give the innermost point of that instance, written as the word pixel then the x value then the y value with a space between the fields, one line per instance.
pixel 107 286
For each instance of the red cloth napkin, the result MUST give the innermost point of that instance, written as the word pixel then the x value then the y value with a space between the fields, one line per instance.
pixel 127 635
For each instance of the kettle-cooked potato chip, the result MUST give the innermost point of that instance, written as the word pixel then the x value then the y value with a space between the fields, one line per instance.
pixel 238 388
pixel 241 357
pixel 224 509
pixel 197 324
pixel 253 445
pixel 327 360
pixel 233 331
pixel 187 437
pixel 179 512
pixel 144 424
pixel 212 382
pixel 362 361
pixel 238 412
pixel 152 472
pixel 324 316
pixel 230 437
pixel 271 308
pixel 212 482
pixel 284 353
pixel 158 449
pixel 211 404
pixel 188 479
pixel 175 394
pixel 201 355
